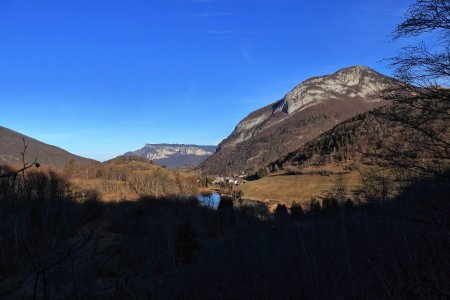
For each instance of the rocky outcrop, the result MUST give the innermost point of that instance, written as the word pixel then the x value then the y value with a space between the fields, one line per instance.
pixel 174 155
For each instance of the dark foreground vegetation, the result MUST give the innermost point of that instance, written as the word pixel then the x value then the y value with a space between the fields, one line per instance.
pixel 59 244
pixel 56 246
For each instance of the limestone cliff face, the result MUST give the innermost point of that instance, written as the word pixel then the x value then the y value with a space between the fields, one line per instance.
pixel 352 83
pixel 174 155
pixel 313 106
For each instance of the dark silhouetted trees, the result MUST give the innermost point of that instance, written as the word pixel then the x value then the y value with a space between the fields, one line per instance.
pixel 226 213
pixel 329 202
pixel 281 212
pixel 314 206
pixel 296 211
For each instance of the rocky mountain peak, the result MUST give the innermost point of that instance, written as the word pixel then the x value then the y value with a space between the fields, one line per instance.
pixel 312 107
pixel 352 82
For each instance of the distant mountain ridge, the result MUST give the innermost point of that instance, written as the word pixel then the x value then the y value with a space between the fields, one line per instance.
pixel 11 146
pixel 174 155
pixel 312 107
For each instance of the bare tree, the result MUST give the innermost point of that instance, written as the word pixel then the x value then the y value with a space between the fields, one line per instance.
pixel 341 188
pixel 421 98
pixel 377 184
pixel 25 165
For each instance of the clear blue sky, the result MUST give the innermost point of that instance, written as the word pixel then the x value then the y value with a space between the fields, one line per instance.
pixel 102 77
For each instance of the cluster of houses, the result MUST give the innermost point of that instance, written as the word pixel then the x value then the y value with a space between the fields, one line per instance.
pixel 234 180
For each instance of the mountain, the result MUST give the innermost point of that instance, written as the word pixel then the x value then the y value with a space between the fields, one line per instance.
pixel 11 146
pixel 379 137
pixel 174 155
pixel 311 108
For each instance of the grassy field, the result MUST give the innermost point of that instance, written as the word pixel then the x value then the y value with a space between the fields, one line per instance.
pixel 287 188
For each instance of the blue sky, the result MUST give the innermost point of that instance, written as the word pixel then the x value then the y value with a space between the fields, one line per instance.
pixel 102 77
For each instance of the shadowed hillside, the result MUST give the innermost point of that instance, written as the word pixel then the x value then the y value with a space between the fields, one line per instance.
pixel 11 146
pixel 373 138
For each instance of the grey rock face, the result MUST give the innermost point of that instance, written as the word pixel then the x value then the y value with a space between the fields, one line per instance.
pixel 174 155
pixel 357 82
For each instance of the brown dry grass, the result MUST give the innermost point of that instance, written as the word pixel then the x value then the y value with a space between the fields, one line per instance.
pixel 131 178
pixel 287 188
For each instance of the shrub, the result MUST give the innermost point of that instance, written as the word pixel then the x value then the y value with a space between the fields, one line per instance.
pixel 261 173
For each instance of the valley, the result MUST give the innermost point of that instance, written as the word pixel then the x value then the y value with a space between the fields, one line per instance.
pixel 283 188
pixel 327 129
pixel 231 150
pixel 332 185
